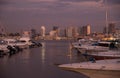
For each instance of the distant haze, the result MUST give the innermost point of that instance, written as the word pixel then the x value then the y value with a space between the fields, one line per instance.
pixel 17 15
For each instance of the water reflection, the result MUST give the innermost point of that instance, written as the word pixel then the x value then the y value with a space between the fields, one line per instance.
pixel 43 52
pixel 70 52
pixel 39 62
pixel 25 56
pixel 4 60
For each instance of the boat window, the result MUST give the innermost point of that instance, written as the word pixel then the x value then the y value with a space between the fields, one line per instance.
pixel 103 44
pixel 23 41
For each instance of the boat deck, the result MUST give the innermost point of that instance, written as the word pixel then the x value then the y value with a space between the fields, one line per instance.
pixel 113 64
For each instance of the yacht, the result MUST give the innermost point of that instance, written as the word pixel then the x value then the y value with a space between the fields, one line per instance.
pixel 111 54
pixel 26 40
pixel 15 43
pixel 3 48
pixel 92 47
pixel 99 69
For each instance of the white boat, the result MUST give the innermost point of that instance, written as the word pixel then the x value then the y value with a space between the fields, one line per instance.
pixel 26 40
pixel 111 54
pixel 29 42
pixel 14 42
pixel 76 44
pixel 90 48
pixel 79 43
pixel 99 69
pixel 3 47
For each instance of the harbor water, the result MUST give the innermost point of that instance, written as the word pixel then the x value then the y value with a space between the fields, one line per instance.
pixel 41 62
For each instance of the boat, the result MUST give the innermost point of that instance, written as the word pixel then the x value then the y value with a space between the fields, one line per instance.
pixel 94 47
pixel 99 69
pixel 15 43
pixel 29 42
pixel 26 40
pixel 35 44
pixel 3 48
pixel 79 42
pixel 111 54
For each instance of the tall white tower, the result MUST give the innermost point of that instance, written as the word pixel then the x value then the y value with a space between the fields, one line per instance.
pixel 43 31
pixel 88 29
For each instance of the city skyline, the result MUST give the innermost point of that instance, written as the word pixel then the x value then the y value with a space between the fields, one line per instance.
pixel 17 15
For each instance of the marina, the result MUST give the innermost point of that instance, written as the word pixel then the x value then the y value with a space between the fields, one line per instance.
pixel 40 62
pixel 49 63
pixel 59 39
pixel 97 63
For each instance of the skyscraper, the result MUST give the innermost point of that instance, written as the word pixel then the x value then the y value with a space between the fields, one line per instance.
pixel 105 30
pixel 111 28
pixel 43 31
pixel 56 29
pixel 33 33
pixel 71 31
pixel 86 30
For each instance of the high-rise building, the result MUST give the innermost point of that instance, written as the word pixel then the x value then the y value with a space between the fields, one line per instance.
pixel 86 30
pixel 33 33
pixel 117 33
pixel 111 28
pixel 26 34
pixel 71 32
pixel 43 31
pixel 62 32
pixel 105 30
pixel 56 29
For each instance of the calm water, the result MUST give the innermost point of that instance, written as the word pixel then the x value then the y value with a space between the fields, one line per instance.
pixel 40 62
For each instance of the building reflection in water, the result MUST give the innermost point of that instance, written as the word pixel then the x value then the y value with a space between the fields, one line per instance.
pixel 70 52
pixel 43 52
pixel 4 60
pixel 25 56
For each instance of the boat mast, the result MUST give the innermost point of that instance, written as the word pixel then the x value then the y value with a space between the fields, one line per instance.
pixel 106 14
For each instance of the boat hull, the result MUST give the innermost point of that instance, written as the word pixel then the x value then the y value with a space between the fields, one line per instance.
pixel 103 57
pixel 95 73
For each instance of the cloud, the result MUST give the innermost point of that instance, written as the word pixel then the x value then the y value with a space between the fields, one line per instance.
pixel 56 4
pixel 56 11
pixel 77 0
pixel 41 0
pixel 29 5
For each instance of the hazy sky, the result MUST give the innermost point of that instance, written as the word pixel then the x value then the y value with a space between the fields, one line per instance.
pixel 17 15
